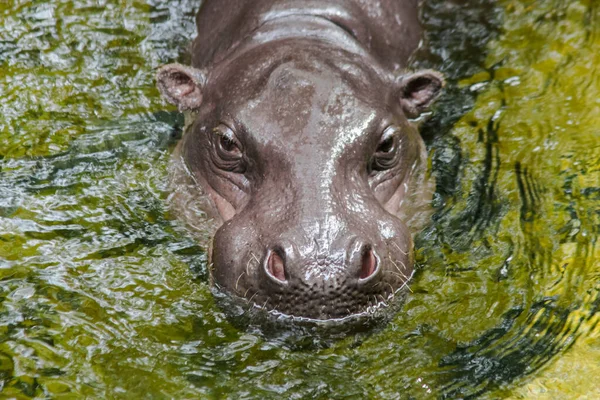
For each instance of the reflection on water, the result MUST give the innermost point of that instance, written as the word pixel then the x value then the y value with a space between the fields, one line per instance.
pixel 103 294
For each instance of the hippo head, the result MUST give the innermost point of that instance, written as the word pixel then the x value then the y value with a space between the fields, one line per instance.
pixel 309 160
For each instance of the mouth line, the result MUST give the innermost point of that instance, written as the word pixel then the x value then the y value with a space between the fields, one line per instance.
pixel 372 310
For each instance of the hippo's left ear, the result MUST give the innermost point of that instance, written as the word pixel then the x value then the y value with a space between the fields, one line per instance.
pixel 418 90
pixel 181 85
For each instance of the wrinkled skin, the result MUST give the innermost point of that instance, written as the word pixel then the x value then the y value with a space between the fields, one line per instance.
pixel 300 145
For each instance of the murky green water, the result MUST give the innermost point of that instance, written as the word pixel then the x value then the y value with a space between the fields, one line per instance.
pixel 103 294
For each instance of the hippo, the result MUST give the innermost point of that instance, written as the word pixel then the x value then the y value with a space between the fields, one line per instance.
pixel 302 153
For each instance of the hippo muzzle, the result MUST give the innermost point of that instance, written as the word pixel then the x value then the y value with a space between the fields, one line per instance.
pixel 309 260
pixel 301 142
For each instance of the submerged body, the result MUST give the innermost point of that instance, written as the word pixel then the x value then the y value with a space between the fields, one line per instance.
pixel 300 149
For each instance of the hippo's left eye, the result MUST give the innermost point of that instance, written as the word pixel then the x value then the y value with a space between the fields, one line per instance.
pixel 228 150
pixel 386 155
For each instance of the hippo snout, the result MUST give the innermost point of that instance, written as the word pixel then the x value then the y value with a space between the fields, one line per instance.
pixel 313 279
pixel 322 288
pixel 361 265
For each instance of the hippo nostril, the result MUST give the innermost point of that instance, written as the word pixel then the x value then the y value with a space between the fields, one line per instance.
pixel 369 263
pixel 276 266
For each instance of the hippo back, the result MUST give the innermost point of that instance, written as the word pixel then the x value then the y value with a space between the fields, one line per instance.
pixel 388 29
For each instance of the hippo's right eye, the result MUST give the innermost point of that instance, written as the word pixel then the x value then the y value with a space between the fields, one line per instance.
pixel 229 156
pixel 228 146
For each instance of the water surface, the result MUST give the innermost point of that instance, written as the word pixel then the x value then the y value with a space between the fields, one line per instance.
pixel 103 294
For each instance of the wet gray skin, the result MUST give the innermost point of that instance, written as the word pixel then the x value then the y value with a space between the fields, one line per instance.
pixel 301 146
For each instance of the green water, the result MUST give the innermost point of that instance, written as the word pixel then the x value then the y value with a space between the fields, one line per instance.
pixel 103 294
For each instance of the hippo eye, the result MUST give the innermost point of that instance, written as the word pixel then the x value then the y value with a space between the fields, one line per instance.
pixel 228 150
pixel 386 155
pixel 228 145
pixel 386 146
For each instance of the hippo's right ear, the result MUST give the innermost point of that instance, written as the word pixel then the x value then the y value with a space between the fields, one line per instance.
pixel 181 85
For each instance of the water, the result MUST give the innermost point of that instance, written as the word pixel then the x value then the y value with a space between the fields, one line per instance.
pixel 103 293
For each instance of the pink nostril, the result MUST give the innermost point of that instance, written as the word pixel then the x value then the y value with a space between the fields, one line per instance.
pixel 369 264
pixel 275 266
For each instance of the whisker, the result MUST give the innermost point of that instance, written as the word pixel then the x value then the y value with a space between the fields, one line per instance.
pixel 392 291
pixel 408 287
pixel 403 277
pixel 398 268
pixel 250 299
pixel 252 257
pixel 399 249
pixel 264 305
pixel 238 280
pixel 384 299
pixel 403 266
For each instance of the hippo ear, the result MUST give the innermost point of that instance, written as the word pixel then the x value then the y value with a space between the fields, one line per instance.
pixel 418 90
pixel 181 85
